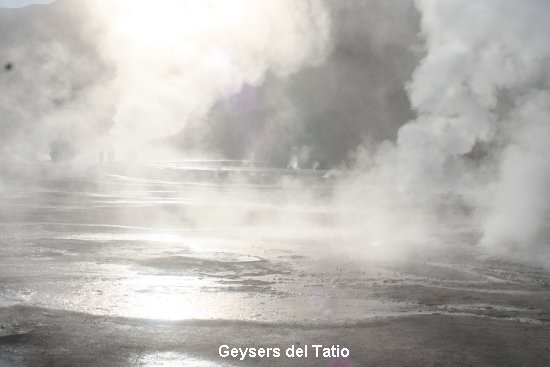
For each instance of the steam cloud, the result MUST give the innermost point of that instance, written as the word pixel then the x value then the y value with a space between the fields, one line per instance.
pixel 305 84
pixel 195 52
pixel 143 70
pixel 481 94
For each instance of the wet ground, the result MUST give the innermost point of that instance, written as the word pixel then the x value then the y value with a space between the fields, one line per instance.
pixel 161 266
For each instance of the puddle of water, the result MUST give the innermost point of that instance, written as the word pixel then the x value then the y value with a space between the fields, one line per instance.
pixel 172 359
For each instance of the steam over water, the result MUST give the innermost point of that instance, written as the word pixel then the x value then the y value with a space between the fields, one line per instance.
pixel 178 175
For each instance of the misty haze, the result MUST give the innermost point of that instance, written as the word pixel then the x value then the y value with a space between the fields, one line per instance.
pixel 180 179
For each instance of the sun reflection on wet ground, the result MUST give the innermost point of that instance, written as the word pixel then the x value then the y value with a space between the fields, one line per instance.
pixel 62 252
pixel 172 359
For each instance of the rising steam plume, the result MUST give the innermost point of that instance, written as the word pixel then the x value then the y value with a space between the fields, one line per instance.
pixel 481 94
pixel 442 98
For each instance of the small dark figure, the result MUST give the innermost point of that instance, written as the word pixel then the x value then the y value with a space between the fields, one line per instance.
pixel 8 66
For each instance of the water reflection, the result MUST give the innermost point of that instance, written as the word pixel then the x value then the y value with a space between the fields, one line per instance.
pixel 171 298
pixel 172 359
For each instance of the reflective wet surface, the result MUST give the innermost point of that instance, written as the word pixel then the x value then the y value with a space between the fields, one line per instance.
pixel 160 265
